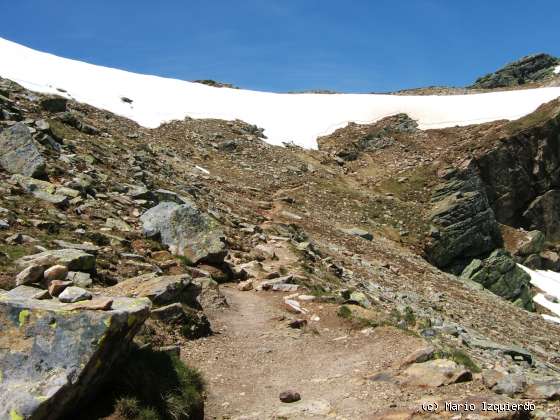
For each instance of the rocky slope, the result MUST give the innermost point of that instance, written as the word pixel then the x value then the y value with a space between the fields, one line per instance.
pixel 379 229
pixel 535 68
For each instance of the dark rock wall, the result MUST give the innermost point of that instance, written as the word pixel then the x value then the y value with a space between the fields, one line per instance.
pixel 520 177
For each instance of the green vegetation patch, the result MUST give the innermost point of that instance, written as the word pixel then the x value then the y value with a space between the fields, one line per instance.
pixel 459 357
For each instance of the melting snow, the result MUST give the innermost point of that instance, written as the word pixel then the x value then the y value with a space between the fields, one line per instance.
pixel 549 282
pixel 299 118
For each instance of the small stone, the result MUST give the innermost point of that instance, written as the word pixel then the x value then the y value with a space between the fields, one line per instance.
pixel 19 239
pixel 285 287
pixel 31 274
pixel 294 306
pixel 99 304
pixel 297 323
pixel 358 232
pixel 491 377
pixel 245 286
pixel 56 287
pixel 80 279
pixel 74 294
pixel 419 356
pixel 42 295
pixel 289 396
pixel 56 272
pixel 4 224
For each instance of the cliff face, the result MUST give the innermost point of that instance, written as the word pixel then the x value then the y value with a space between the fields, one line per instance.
pixel 522 175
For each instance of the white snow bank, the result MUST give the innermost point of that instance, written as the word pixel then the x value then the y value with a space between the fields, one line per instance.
pixel 547 281
pixel 554 319
pixel 300 118
pixel 557 70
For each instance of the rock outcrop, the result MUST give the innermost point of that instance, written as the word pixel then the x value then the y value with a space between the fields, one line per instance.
pixel 463 223
pixel 521 174
pixel 533 68
pixel 53 355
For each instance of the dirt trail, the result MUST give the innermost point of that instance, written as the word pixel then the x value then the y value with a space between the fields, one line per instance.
pixel 255 356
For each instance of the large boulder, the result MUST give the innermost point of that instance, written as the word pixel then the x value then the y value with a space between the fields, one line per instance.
pixel 73 259
pixel 186 231
pixel 160 290
pixel 18 153
pixel 500 274
pixel 54 355
pixel 435 373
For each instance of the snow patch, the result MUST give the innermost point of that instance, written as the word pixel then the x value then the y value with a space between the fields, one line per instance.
pixel 549 282
pixel 557 70
pixel 297 118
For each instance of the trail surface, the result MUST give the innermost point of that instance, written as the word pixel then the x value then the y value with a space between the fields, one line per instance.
pixel 255 356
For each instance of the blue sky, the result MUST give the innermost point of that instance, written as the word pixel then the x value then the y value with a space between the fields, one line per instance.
pixel 283 45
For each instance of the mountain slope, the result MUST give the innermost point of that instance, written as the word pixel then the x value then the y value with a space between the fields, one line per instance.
pixel 530 69
pixel 297 118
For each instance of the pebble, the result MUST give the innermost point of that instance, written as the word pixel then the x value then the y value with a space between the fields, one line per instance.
pixel 289 396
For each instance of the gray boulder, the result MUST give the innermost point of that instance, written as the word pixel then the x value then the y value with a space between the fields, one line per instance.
pixel 186 231
pixel 54 104
pixel 500 274
pixel 73 259
pixel 18 153
pixel 74 294
pixel 54 355
pixel 160 290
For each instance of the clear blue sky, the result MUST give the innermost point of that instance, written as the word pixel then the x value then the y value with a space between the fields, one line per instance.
pixel 282 45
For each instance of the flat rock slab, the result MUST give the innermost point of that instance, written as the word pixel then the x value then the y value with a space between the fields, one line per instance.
pixel 505 349
pixel 89 248
pixel 160 290
pixel 52 354
pixel 73 259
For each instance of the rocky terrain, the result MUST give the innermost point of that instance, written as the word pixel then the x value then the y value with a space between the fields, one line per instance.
pixel 532 71
pixel 360 280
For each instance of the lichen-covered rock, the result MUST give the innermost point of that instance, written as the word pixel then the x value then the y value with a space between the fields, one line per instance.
pixel 52 355
pixel 18 153
pixel 186 231
pixel 72 259
pixel 500 274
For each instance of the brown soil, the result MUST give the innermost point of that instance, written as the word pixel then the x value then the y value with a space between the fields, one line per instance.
pixel 255 355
